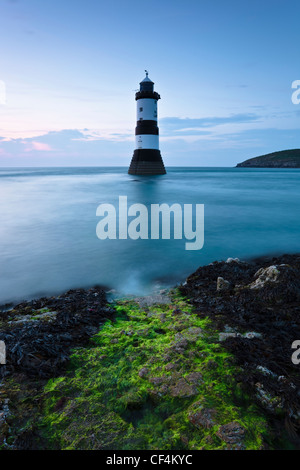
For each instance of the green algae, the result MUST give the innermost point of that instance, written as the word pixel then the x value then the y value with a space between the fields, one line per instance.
pixel 155 378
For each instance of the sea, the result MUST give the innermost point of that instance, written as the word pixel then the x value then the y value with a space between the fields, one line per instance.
pixel 48 223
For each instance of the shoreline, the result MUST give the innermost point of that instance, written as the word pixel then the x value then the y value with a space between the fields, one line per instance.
pixel 252 309
pixel 158 284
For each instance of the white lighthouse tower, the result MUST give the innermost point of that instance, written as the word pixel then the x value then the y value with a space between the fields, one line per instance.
pixel 146 158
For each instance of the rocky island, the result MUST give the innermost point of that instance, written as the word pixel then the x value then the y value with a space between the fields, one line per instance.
pixel 205 365
pixel 283 159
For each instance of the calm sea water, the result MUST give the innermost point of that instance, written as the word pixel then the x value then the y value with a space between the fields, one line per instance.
pixel 48 239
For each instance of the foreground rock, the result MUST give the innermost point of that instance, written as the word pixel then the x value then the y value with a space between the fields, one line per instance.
pixel 258 314
pixel 40 334
pixel 155 377
pixel 161 372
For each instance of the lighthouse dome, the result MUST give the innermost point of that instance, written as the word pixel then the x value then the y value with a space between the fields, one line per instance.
pixel 146 84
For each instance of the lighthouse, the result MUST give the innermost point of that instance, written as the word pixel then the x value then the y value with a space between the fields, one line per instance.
pixel 146 158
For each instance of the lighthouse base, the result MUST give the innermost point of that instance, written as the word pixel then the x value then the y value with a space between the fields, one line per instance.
pixel 147 162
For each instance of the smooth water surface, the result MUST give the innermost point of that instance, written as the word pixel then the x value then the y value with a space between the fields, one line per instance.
pixel 48 239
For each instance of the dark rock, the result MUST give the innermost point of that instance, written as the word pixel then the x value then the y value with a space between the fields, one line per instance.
pixel 143 372
pixel 183 389
pixel 202 417
pixel 170 366
pixel 194 378
pixel 222 284
pixel 233 434
pixel 259 320
pixel 41 348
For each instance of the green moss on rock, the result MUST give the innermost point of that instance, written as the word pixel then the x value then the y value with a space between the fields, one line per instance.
pixel 155 378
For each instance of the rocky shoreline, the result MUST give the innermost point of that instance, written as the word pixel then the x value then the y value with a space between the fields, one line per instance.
pixel 39 334
pixel 282 159
pixel 261 297
pixel 211 358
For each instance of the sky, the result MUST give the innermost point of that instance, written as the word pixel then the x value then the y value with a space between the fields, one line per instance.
pixel 69 70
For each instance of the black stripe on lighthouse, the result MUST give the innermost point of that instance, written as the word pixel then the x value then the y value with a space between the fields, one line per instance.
pixel 146 127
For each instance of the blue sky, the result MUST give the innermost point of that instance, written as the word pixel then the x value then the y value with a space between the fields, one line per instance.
pixel 71 67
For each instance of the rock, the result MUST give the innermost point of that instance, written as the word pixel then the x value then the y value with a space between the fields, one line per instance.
pixel 266 371
pixel 265 275
pixel 144 332
pixel 143 372
pixel 39 342
pixel 47 316
pixel 182 389
pixel 233 434
pixel 176 311
pixel 194 378
pixel 222 284
pixel 263 313
pixel 203 417
pixel 156 298
pixel 224 336
pixel 270 402
pixel 170 366
pixel 192 334
pixel 180 344
pixel 157 380
pixel 232 260
pixel 252 334
pixel 163 317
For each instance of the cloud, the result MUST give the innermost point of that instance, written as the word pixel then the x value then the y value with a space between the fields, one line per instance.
pixel 194 126
pixel 229 140
pixel 68 147
pixel 39 146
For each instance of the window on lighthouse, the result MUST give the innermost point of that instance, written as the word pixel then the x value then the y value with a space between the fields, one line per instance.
pixel 141 109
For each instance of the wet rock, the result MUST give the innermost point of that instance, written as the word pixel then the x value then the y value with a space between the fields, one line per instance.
pixel 262 317
pixel 252 334
pixel 159 298
pixel 144 332
pixel 143 372
pixel 47 316
pixel 183 389
pixel 194 378
pixel 249 335
pixel 202 417
pixel 266 371
pixel 157 380
pixel 233 434
pixel 180 344
pixel 232 260
pixel 270 402
pixel 192 334
pixel 170 366
pixel 40 334
pixel 264 275
pixel 222 284
pixel 176 311
pixel 225 336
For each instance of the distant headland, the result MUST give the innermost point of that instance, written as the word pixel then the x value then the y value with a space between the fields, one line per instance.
pixel 283 159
